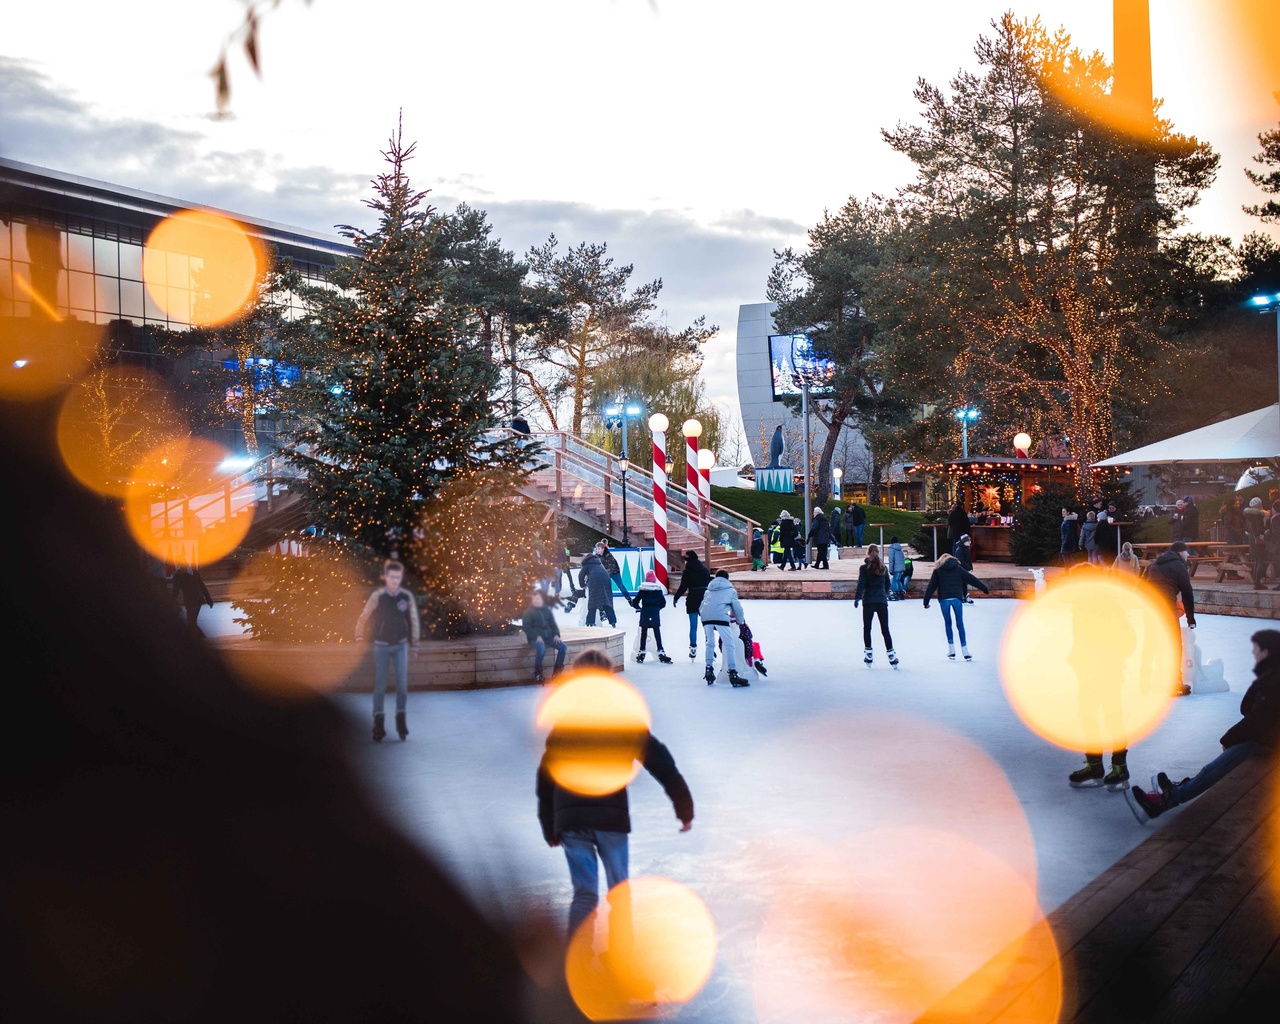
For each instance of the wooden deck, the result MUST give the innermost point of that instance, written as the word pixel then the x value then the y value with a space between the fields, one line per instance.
pixel 1186 927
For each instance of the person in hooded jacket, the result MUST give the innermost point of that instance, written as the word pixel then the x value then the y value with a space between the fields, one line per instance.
pixel 593 577
pixel 1170 577
pixel 964 555
pixel 1190 519
pixel 757 551
pixel 693 582
pixel 788 533
pixel 612 567
pixel 836 532
pixel 649 601
pixel 948 582
pixel 957 524
pixel 820 540
pixel 873 592
pixel 1068 536
pixel 719 603
pixel 594 829
pixel 1255 532
pixel 897 564
pixel 1257 733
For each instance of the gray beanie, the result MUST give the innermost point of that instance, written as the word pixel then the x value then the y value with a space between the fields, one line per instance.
pixel 1255 503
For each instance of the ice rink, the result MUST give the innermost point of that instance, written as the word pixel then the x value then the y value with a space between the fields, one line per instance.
pixel 801 765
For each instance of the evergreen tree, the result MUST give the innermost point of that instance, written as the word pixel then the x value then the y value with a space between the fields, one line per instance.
pixel 398 392
pixel 1269 181
pixel 1037 538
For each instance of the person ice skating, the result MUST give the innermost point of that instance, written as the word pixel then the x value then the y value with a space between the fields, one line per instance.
pixel 787 535
pixel 718 604
pixel 650 600
pixel 751 649
pixel 540 629
pixel 947 582
pixel 820 540
pixel 1099 686
pixel 1257 733
pixel 693 582
pixel 594 579
pixel 1169 575
pixel 855 522
pixel 191 589
pixel 1126 561
pixel 757 551
pixel 897 566
pixel 873 592
pixel 593 830
pixel 390 617
pixel 964 555
pixel 612 567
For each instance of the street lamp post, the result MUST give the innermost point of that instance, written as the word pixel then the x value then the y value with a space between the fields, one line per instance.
pixel 1265 304
pixel 838 473
pixel 624 465
pixel 965 416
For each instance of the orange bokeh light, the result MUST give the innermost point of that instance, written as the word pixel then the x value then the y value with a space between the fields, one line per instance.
pixel 109 420
pixel 893 923
pixel 598 726
pixel 1091 663
pixel 40 355
pixel 221 275
pixel 177 502
pixel 661 947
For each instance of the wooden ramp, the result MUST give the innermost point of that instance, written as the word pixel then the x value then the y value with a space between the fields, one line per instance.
pixel 1186 927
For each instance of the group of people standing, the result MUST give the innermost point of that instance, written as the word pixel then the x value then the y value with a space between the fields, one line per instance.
pixel 788 546
pixel 1259 527
pixel 1096 537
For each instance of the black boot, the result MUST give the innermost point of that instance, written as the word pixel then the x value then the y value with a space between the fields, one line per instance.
pixel 736 679
pixel 402 727
pixel 379 728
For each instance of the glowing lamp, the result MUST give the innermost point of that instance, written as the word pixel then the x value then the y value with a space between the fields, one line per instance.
pixel 1022 444
pixel 706 459
pixel 691 428
pixel 658 423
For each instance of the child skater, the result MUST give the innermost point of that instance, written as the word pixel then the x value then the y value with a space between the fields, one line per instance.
pixel 649 601
pixel 873 593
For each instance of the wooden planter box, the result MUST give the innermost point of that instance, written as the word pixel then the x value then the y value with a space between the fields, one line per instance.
pixel 470 663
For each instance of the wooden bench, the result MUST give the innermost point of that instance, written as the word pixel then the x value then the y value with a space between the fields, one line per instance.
pixel 1203 552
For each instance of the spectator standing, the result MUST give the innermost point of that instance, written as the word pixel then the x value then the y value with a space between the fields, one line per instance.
pixel 594 579
pixel 541 631
pixel 1257 733
pixel 719 605
pixel 593 830
pixel 957 524
pixel 856 521
pixel 837 527
pixel 1068 536
pixel 820 540
pixel 693 582
pixel 873 592
pixel 650 599
pixel 1089 538
pixel 1190 519
pixel 390 617
pixel 897 564
pixel 1232 523
pixel 193 594
pixel 787 536
pixel 947 582
pixel 1255 531
pixel 757 551
pixel 1178 521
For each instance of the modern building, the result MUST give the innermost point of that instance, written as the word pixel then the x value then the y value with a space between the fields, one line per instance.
pixel 72 248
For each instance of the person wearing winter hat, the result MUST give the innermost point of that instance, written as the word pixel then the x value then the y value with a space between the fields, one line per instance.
pixel 1255 530
pixel 649 601
pixel 788 534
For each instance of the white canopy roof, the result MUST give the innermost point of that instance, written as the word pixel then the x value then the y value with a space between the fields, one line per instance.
pixel 1253 437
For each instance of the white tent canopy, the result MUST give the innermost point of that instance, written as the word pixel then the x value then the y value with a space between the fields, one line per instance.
pixel 1252 438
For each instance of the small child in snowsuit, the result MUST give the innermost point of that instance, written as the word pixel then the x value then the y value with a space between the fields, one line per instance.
pixel 650 599
pixel 757 551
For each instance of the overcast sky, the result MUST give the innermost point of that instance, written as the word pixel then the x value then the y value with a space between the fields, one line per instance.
pixel 693 136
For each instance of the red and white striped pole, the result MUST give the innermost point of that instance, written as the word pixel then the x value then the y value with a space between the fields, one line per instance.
pixel 658 424
pixel 706 460
pixel 692 430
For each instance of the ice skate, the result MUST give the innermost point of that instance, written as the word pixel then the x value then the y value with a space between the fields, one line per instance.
pixel 893 659
pixel 709 675
pixel 1117 778
pixel 537 678
pixel 402 725
pixel 867 656
pixel 664 657
pixel 693 652
pixel 951 652
pixel 379 728
pixel 1087 777
pixel 761 669
pixel 736 679
pixel 1144 805
pixel 1162 784
pixel 965 651
pixel 640 656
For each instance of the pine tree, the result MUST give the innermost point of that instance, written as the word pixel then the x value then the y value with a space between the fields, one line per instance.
pixel 398 390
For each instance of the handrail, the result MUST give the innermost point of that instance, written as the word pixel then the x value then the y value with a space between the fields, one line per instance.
pixel 246 477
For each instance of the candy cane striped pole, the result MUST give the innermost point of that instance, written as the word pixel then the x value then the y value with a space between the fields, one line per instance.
pixel 658 424
pixel 692 430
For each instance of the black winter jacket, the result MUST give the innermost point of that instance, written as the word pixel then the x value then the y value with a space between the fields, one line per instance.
pixel 948 581
pixel 819 532
pixel 539 623
pixel 693 581
pixel 855 516
pixel 1260 707
pixel 873 588
pixel 1169 575
pixel 650 599
pixel 594 579
pixel 787 533
pixel 560 809
pixel 610 563
pixel 957 525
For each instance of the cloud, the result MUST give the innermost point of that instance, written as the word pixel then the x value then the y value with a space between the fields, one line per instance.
pixel 707 269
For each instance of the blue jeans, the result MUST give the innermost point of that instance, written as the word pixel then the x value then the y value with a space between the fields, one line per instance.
pixel 617 579
pixel 581 847
pixel 606 610
pixel 857 530
pixel 1215 771
pixel 693 629
pixel 540 651
pixel 384 656
pixel 896 584
pixel 953 606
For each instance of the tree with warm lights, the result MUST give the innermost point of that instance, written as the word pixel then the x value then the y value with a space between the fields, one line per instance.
pixel 1035 259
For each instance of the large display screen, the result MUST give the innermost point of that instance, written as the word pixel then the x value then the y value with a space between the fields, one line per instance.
pixel 793 361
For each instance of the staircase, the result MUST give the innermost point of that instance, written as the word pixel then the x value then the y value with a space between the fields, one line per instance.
pixel 586 484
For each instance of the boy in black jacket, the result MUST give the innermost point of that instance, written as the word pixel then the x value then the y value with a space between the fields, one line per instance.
pixel 393 613
pixel 1258 732
pixel 591 827
pixel 540 628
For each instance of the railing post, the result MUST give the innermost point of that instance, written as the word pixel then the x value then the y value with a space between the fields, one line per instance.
pixel 555 458
pixel 226 497
pixel 608 496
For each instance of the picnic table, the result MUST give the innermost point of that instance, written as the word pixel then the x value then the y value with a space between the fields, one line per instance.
pixel 1207 552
